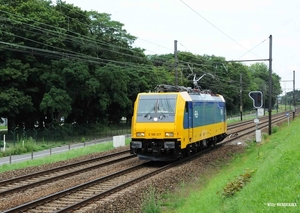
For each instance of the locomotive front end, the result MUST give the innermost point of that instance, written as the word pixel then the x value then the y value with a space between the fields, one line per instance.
pixel 154 130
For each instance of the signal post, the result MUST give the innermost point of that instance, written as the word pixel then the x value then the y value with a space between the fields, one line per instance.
pixel 257 98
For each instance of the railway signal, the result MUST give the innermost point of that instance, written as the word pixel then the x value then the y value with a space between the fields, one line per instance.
pixel 257 98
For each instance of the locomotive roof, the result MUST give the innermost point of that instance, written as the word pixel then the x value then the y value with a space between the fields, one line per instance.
pixel 185 95
pixel 189 94
pixel 207 97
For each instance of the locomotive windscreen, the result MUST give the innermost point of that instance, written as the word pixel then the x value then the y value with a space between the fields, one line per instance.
pixel 156 108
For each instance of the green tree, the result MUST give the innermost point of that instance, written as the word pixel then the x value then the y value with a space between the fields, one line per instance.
pixel 56 103
pixel 260 73
pixel 24 39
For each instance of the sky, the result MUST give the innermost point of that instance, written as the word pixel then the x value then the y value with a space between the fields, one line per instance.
pixel 233 29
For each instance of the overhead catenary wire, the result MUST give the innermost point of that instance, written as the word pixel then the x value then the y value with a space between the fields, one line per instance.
pixel 216 27
pixel 70 41
pixel 55 49
pixel 56 31
pixel 87 39
pixel 73 39
pixel 61 5
pixel 184 46
pixel 50 29
pixel 59 55
pixel 108 47
pixel 253 48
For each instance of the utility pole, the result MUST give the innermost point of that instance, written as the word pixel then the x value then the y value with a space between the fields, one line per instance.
pixel 277 103
pixel 294 100
pixel 270 79
pixel 270 86
pixel 284 98
pixel 265 92
pixel 241 96
pixel 176 63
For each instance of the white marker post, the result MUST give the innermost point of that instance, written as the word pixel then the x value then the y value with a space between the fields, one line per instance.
pixel 4 143
pixel 257 131
pixel 257 98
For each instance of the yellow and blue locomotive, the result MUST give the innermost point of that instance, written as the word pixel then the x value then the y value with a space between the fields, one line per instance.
pixel 176 121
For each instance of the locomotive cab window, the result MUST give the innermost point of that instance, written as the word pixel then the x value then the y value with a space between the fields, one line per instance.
pixel 156 106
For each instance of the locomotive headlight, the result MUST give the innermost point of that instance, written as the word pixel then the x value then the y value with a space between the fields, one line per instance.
pixel 140 134
pixel 169 134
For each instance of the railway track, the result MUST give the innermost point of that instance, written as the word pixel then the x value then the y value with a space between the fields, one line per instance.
pixel 262 119
pixel 81 196
pixel 36 179
pixel 245 128
pixel 29 187
pixel 78 198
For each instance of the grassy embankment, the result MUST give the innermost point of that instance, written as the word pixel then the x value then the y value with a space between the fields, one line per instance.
pixel 265 178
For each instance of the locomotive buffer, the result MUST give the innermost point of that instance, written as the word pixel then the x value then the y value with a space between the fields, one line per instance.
pixel 257 98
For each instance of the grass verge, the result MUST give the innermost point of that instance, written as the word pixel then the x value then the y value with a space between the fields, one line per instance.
pixel 73 153
pixel 265 178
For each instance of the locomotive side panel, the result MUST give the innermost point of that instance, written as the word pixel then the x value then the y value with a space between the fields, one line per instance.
pixel 206 120
pixel 209 119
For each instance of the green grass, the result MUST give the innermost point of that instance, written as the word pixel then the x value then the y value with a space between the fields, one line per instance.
pixel 3 128
pixel 73 153
pixel 274 179
pixel 151 203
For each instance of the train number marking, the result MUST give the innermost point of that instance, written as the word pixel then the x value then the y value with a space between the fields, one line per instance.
pixel 154 134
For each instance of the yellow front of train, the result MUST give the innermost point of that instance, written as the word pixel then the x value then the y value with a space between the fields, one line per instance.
pixel 157 125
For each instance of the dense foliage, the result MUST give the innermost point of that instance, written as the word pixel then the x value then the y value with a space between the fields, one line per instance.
pixel 58 61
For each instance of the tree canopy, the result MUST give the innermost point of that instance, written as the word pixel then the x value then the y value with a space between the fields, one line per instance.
pixel 59 61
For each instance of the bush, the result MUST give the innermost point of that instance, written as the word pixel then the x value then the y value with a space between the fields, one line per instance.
pixel 45 146
pixel 275 129
pixel 29 145
pixel 265 136
pixel 19 149
pixel 234 186
pixel 150 204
